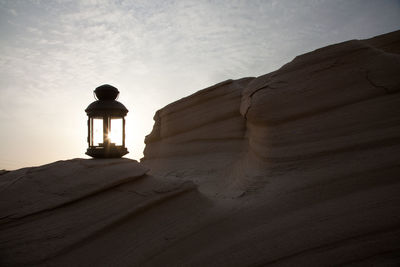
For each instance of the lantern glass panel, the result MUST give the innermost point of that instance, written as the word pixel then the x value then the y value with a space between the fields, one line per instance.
pixel 116 131
pixel 97 131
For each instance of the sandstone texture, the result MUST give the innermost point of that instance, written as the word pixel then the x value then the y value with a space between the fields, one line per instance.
pixel 312 148
pixel 298 167
pixel 90 213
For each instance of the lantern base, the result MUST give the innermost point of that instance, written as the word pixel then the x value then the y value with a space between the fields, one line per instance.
pixel 107 152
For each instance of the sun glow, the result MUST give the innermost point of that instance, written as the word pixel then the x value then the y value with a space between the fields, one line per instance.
pixel 115 134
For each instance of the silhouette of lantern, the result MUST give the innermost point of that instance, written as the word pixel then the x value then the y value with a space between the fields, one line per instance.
pixel 106 124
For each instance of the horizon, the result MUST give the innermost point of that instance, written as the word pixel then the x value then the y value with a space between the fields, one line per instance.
pixel 155 52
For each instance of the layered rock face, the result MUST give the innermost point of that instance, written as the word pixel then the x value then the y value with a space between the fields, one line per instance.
pixel 318 156
pixel 299 167
pixel 335 99
pixel 200 136
pixel 207 121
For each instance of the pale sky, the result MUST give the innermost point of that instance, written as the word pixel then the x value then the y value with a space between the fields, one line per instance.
pixel 54 53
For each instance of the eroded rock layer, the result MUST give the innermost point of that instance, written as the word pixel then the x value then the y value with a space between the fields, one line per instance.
pixel 91 213
pixel 318 162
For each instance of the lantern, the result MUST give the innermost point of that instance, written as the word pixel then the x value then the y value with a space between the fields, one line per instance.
pixel 106 124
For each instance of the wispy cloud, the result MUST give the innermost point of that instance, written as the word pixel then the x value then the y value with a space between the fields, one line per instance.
pixel 13 12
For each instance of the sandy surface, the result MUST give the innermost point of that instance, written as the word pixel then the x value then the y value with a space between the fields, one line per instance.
pixel 299 167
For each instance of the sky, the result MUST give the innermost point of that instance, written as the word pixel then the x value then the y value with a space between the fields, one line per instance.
pixel 54 53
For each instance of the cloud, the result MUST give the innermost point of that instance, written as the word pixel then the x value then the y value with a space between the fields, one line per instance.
pixel 13 12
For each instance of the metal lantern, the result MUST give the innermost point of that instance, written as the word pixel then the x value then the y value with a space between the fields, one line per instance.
pixel 106 124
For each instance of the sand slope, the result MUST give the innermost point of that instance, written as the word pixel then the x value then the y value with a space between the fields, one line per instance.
pixel 299 167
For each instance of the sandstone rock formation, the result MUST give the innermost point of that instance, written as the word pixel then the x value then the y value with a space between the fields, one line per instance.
pixel 315 150
pixel 89 213
pixel 299 167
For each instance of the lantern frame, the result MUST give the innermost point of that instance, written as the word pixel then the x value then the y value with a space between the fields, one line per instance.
pixel 107 109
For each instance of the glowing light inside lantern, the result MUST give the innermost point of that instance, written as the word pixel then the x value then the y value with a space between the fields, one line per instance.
pixel 97 131
pixel 115 135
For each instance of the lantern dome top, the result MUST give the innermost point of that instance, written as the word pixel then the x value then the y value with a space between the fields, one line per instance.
pixel 101 108
pixel 106 105
pixel 106 92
